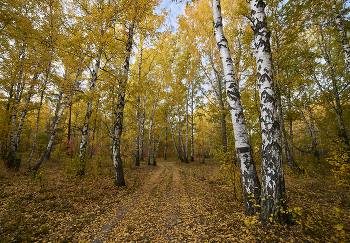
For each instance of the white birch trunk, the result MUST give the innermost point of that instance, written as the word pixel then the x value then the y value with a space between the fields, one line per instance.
pixel 165 143
pixel 10 160
pixel 84 133
pixel 155 151
pixel 37 125
pixel 273 198
pixel 311 129
pixel 344 39
pixel 186 145
pixel 93 135
pixel 142 129
pixel 173 137
pixel 56 122
pixel 181 143
pixel 4 131
pixel 24 114
pixel 337 107
pixel 119 113
pixel 151 127
pixel 138 115
pixel 192 127
pixel 250 180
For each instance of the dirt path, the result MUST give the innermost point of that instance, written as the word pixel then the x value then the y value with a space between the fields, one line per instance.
pixel 160 211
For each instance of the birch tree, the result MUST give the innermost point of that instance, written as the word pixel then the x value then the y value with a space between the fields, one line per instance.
pixel 273 197
pixel 250 180
pixel 60 114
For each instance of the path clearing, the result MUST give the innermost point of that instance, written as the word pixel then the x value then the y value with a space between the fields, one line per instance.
pixel 160 211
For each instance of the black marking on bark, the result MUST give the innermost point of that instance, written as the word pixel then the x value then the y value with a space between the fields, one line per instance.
pixel 266 97
pixel 218 23
pixel 233 94
pixel 261 4
pixel 265 77
pixel 243 150
pixel 232 85
pixel 240 117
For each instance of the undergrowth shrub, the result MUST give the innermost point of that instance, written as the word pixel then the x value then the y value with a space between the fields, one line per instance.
pixel 341 168
pixel 229 172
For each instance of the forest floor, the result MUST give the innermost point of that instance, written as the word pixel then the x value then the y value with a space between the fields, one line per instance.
pixel 170 202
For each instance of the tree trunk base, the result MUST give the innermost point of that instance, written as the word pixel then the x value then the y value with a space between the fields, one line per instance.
pixel 119 183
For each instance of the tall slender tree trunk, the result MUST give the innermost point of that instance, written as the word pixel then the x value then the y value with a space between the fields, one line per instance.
pixel 165 143
pixel 118 124
pixel 273 196
pixel 138 115
pixel 4 132
pixel 69 121
pixel 142 129
pixel 158 143
pixel 344 39
pixel 222 110
pixel 52 136
pixel 94 130
pixel 173 137
pixel 93 138
pixel 311 128
pixel 187 123
pixel 25 110
pixel 85 129
pixel 24 113
pixel 346 49
pixel 250 181
pixel 151 127
pixel 287 152
pixel 181 142
pixel 56 122
pixel 137 140
pixel 192 126
pixel 10 160
pixel 337 107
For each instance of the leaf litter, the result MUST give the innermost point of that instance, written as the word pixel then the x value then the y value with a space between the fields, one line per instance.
pixel 172 202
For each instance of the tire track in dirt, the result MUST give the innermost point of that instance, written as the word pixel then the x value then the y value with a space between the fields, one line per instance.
pixel 114 220
pixel 161 211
